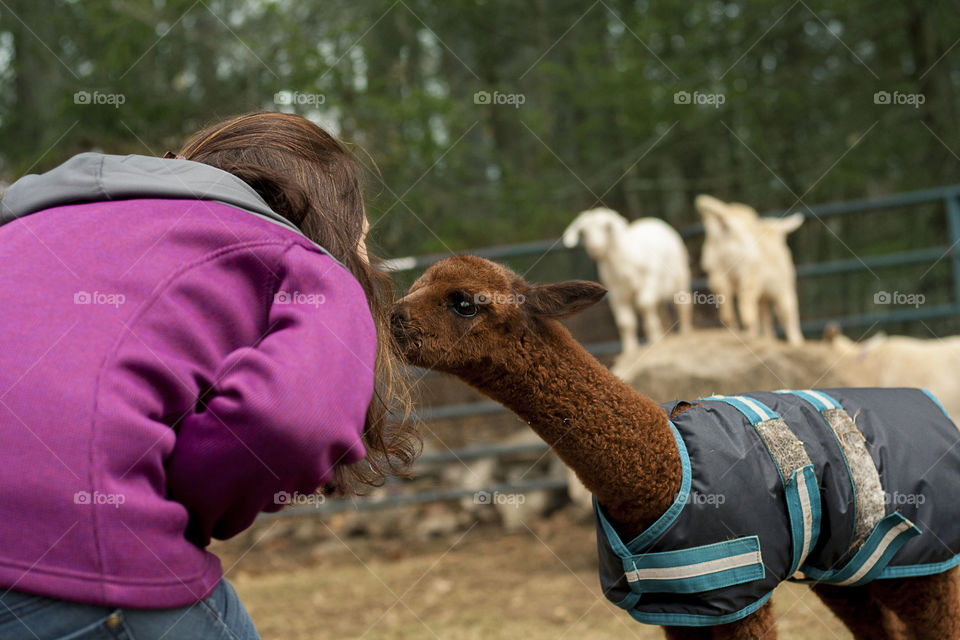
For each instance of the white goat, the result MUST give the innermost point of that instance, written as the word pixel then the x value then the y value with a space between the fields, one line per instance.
pixel 642 264
pixel 747 257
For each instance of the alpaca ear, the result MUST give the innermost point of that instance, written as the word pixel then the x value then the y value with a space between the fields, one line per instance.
pixel 563 298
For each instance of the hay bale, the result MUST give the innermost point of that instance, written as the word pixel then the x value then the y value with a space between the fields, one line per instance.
pixel 718 361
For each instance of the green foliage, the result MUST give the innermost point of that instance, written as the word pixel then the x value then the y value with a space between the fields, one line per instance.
pixel 599 122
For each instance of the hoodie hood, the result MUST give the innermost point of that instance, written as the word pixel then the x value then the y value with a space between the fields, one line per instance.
pixel 95 177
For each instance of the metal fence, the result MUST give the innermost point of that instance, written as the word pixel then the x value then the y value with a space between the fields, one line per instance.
pixel 947 197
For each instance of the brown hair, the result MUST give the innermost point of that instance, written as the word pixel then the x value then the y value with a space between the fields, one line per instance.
pixel 308 176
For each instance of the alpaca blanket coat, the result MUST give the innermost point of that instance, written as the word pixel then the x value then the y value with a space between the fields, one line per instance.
pixel 841 486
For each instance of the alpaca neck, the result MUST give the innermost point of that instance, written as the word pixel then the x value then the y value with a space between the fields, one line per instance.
pixel 618 442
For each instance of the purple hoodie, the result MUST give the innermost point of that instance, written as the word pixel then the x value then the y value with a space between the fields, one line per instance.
pixel 172 355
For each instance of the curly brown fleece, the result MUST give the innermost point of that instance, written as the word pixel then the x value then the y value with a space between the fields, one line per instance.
pixel 481 322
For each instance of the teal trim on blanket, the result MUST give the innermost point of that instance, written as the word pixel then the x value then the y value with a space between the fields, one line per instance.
pixel 817 404
pixel 803 505
pixel 629 602
pixel 753 409
pixel 752 413
pixel 697 620
pixel 800 488
pixel 871 559
pixel 914 570
pixel 696 569
pixel 655 530
pixel 936 400
pixel 818 399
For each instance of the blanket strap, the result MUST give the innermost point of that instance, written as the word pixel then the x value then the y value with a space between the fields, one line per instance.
pixel 796 470
pixel 877 537
pixel 696 569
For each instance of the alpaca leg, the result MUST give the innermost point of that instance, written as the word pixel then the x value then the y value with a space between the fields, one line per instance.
pixel 760 625
pixel 625 317
pixel 688 633
pixel 864 616
pixel 929 606
pixel 786 307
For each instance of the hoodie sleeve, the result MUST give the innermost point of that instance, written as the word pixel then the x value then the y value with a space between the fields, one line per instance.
pixel 282 414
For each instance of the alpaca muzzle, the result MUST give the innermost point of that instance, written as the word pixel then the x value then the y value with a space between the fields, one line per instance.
pixel 406 335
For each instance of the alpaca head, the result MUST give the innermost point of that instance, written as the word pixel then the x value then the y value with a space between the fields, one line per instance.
pixel 598 228
pixel 470 314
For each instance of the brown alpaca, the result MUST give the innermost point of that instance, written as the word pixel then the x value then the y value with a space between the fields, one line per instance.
pixel 484 324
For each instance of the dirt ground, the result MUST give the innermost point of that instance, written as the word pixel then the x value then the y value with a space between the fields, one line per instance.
pixel 305 581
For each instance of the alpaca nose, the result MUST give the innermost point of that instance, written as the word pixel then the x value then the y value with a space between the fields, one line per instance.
pixel 399 319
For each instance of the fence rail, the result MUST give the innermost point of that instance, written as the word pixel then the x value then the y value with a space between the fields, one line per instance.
pixel 421 497
pixel 948 196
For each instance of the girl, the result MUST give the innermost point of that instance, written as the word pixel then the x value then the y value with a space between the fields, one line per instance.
pixel 186 343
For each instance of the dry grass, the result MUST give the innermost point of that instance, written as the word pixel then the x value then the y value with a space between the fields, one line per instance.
pixel 538 584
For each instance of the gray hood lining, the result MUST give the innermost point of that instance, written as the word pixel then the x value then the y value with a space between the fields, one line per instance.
pixel 96 177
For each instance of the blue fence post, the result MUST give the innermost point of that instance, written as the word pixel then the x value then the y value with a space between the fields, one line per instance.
pixel 953 224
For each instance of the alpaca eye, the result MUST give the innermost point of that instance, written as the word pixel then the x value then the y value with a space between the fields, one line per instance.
pixel 463 307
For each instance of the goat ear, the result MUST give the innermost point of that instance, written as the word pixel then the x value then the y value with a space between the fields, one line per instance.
pixel 563 299
pixel 787 224
pixel 572 234
pixel 715 222
pixel 713 212
pixel 708 204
